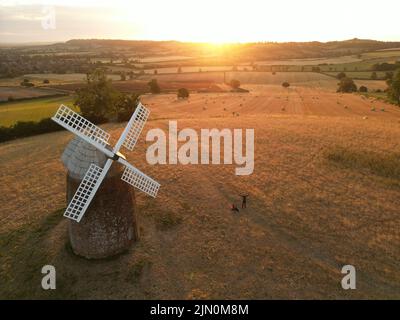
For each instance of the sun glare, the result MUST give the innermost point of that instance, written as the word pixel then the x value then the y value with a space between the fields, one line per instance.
pixel 231 22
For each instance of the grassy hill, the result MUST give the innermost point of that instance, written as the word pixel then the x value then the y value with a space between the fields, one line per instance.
pixel 324 193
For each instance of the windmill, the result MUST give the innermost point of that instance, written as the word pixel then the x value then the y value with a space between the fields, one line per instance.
pixel 98 138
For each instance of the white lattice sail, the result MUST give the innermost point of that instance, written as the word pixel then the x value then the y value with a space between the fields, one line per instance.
pixel 140 180
pixel 77 124
pixel 86 191
pixel 135 126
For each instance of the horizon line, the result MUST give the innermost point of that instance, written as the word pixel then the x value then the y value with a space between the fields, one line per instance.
pixel 185 41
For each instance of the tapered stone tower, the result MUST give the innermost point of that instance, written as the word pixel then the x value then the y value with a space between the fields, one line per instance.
pixel 109 226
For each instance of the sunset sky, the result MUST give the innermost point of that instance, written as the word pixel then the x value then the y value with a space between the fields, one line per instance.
pixel 195 20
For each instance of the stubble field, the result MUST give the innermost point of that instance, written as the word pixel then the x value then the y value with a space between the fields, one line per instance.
pixel 324 193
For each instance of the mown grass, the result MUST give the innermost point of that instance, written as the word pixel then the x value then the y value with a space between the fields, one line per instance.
pixel 167 220
pixel 31 110
pixel 135 272
pixel 385 165
pixel 22 256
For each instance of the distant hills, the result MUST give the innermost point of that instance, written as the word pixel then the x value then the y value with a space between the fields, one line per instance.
pixel 233 52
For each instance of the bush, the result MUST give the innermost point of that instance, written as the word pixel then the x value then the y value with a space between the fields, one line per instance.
pixel 154 87
pixel 347 85
pixel 341 75
pixel 286 84
pixel 30 128
pixel 46 81
pixel 183 93
pixel 97 99
pixel 389 75
pixel 234 83
pixel 26 83
pixel 363 89
pixel 394 88
pixel 126 106
pixel 10 98
pixel 374 76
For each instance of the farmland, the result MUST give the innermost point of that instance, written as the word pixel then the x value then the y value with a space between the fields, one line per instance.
pixel 16 93
pixel 32 110
pixel 324 193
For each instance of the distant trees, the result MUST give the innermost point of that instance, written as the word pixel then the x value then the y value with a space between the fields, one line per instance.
pixel 123 76
pixel 316 69
pixel 46 81
pixel 100 101
pixel 341 75
pixel 374 76
pixel 183 93
pixel 179 69
pixel 235 84
pixel 155 71
pixel 96 99
pixel 385 66
pixel 154 87
pixel 389 75
pixel 347 85
pixel 286 84
pixel 26 83
pixel 125 105
pixel 394 88
pixel 363 89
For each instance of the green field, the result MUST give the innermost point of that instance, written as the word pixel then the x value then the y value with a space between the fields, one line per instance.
pixel 30 110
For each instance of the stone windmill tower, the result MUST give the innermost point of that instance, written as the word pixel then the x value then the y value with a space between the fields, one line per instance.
pixel 98 182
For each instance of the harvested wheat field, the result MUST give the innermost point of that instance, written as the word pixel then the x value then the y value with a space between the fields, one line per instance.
pixel 324 193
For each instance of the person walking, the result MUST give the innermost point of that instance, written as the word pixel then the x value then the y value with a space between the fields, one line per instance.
pixel 244 200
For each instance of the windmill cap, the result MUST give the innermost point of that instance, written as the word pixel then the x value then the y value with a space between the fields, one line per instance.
pixel 79 155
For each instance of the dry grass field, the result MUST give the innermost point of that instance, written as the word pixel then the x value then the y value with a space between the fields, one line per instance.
pixel 25 93
pixel 324 193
